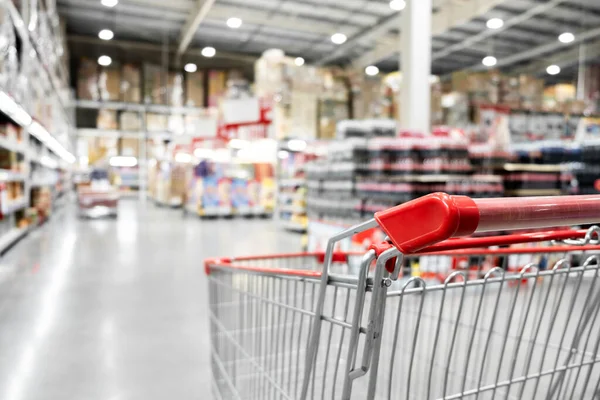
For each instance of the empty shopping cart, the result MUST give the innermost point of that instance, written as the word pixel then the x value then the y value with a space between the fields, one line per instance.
pixel 500 317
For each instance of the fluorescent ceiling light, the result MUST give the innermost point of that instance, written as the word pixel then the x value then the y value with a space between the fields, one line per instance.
pixel 183 158
pixel 105 61
pixel 209 52
pixel 106 34
pixel 489 61
pixel 371 70
pixel 282 154
pixel 234 22
pixel 123 161
pixel 109 3
pixel 296 144
pixel 338 38
pixel 566 37
pixel 494 23
pixel 299 61
pixel 190 67
pixel 553 69
pixel 397 5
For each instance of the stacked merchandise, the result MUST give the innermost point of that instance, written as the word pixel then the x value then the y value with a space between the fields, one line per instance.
pixel 229 189
pixel 167 183
pixel 587 171
pixel 372 170
pixel 292 189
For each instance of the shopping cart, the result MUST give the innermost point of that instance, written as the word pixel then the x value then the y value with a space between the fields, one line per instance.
pixel 344 325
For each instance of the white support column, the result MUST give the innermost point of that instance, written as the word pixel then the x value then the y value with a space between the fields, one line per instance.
pixel 415 64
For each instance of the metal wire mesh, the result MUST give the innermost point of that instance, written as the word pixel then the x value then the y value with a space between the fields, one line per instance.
pixel 498 333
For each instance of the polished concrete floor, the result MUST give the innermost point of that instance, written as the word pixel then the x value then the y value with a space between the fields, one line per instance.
pixel 116 309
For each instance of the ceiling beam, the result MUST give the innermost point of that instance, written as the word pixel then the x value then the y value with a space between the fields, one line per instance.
pixel 156 48
pixel 563 59
pixel 541 50
pixel 193 22
pixel 449 14
pixel 487 33
pixel 369 34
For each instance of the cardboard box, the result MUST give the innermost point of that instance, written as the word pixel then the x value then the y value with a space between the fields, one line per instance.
pixel 194 87
pixel 107 119
pixel 87 80
pixel 175 89
pixel 155 91
pixel 217 84
pixel 109 83
pixel 130 121
pixel 156 122
pixel 129 147
pixel 131 85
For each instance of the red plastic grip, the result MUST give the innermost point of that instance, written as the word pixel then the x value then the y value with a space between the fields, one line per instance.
pixel 428 220
pixel 420 223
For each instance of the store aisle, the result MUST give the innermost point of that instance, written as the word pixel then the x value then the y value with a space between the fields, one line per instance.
pixel 116 309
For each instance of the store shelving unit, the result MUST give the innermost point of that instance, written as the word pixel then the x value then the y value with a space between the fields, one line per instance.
pixel 37 156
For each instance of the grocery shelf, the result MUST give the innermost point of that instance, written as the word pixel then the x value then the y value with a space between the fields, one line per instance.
pixel 141 108
pixel 10 176
pixel 12 145
pixel 11 237
pixel 93 132
pixel 536 167
pixel 31 38
pixel 292 182
pixel 42 184
pixel 14 206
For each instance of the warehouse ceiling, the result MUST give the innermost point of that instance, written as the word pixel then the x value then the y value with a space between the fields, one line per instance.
pixel 528 39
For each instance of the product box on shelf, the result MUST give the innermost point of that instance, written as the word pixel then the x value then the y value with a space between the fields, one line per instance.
pixel 107 119
pixel 217 84
pixel 109 83
pixel 87 80
pixel 156 122
pixel 194 85
pixel 129 147
pixel 130 121
pixel 154 87
pixel 131 85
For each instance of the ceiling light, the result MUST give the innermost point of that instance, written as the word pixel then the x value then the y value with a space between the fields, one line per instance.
pixel 397 5
pixel 494 23
pixel 371 70
pixel 566 37
pixel 105 61
pixel 299 61
pixel 208 52
pixel 234 22
pixel 553 69
pixel 123 161
pixel 296 144
pixel 489 61
pixel 106 34
pixel 282 154
pixel 190 67
pixel 109 3
pixel 338 38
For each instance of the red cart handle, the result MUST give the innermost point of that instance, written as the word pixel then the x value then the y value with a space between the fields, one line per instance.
pixel 431 219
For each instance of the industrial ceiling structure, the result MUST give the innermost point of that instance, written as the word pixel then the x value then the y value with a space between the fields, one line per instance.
pixel 464 31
